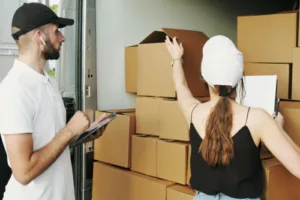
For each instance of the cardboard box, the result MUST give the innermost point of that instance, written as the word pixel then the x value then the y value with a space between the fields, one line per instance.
pixel 298 26
pixel 114 184
pixel 179 192
pixel 203 99
pixel 131 67
pixel 155 61
pixel 172 161
pixel 282 71
pixel 291 124
pixel 266 154
pixel 280 183
pixel 172 123
pixel 267 38
pixel 188 176
pixel 290 111
pixel 144 157
pixel 296 75
pixel 288 104
pixel 147 120
pixel 114 146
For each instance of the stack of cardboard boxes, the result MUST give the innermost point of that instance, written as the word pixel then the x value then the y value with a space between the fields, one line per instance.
pixel 144 153
pixel 162 137
pixel 269 45
pixel 150 160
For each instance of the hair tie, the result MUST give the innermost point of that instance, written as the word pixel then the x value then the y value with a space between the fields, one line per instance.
pixel 223 92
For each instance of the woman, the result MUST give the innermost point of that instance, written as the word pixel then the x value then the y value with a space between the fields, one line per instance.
pixel 226 136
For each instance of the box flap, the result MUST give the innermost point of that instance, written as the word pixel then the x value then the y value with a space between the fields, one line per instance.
pixel 154 37
pixel 187 35
pixel 182 35
pixel 135 45
pixel 269 163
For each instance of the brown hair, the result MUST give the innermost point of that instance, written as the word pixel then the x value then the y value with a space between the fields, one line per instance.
pixel 217 146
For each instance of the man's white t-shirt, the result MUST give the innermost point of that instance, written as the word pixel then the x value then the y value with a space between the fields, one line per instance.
pixel 31 103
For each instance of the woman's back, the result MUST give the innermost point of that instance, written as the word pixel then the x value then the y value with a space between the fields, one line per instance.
pixel 225 155
pixel 243 177
pixel 241 116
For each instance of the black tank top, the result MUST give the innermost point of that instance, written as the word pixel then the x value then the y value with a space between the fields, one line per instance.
pixel 243 178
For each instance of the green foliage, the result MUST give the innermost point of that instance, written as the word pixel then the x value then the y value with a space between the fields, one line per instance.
pixel 51 73
pixel 54 8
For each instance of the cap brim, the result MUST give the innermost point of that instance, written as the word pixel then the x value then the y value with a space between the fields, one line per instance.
pixel 63 22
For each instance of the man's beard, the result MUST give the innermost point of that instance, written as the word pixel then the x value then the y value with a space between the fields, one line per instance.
pixel 50 53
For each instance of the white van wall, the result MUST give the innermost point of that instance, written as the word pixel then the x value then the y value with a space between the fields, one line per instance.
pixel 123 23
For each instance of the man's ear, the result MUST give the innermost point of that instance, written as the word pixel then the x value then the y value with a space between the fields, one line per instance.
pixel 38 37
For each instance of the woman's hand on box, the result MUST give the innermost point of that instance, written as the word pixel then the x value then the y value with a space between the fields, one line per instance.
pixel 175 50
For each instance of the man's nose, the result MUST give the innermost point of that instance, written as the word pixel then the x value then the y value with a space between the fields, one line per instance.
pixel 62 39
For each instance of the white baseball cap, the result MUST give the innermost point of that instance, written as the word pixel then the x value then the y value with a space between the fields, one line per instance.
pixel 222 62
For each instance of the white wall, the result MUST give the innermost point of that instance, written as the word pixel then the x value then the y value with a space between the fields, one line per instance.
pixel 126 22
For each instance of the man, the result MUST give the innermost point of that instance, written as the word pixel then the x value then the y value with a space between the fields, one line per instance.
pixel 32 113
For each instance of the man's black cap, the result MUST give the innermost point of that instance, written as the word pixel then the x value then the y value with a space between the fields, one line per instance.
pixel 34 15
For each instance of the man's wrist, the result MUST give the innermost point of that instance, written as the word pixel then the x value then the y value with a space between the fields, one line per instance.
pixel 70 133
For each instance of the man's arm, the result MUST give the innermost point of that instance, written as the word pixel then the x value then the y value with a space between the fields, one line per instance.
pixel 26 163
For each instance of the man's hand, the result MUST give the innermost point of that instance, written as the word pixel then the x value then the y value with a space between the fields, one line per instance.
pixel 99 132
pixel 78 123
pixel 97 135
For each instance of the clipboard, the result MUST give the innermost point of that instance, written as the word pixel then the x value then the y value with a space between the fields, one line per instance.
pixel 261 92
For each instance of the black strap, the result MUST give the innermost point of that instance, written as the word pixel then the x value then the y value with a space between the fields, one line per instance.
pixel 247 115
pixel 193 111
pixel 18 34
